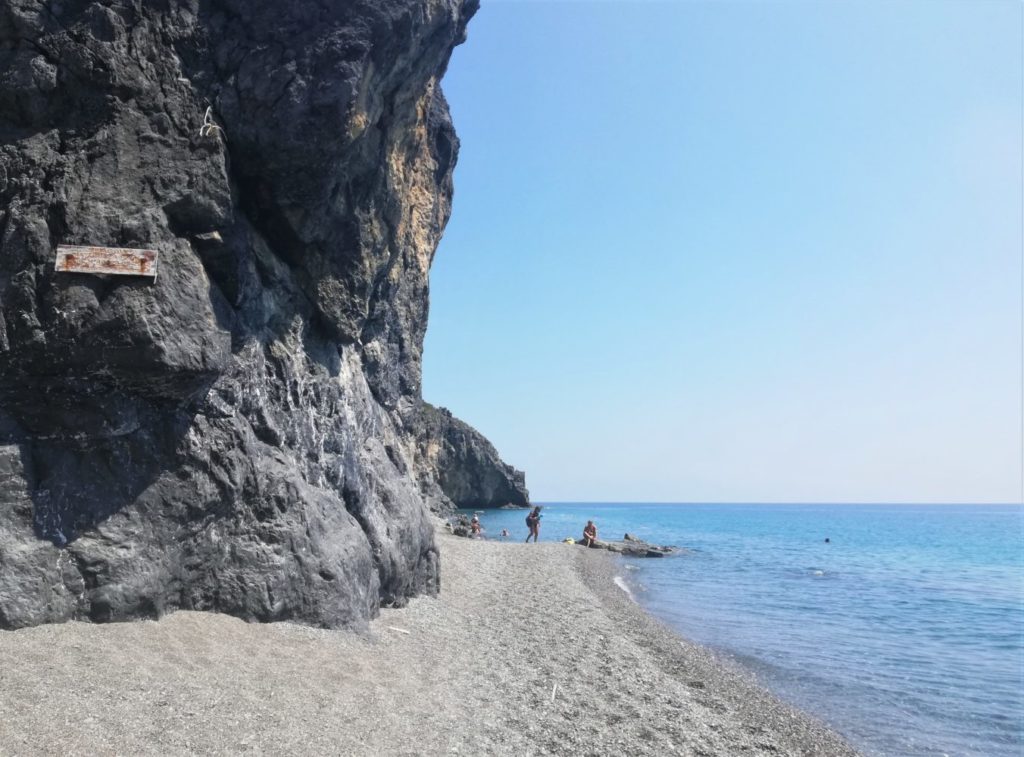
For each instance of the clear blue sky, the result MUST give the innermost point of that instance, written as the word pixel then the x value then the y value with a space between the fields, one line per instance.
pixel 724 251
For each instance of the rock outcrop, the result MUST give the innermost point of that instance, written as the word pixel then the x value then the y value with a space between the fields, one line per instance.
pixel 457 459
pixel 631 547
pixel 244 434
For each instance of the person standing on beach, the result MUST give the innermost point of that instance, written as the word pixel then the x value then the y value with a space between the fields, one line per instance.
pixel 589 534
pixel 533 523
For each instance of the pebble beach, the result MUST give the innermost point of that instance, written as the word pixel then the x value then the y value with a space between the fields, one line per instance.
pixel 528 650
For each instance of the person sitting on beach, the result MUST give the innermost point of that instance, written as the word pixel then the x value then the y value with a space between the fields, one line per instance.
pixel 475 525
pixel 589 534
pixel 533 523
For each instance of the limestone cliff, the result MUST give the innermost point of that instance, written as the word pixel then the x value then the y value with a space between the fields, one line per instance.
pixel 242 434
pixel 456 458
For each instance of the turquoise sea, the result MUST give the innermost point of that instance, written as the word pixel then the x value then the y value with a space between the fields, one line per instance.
pixel 905 632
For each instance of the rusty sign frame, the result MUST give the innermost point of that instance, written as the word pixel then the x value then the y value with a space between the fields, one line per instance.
pixel 119 261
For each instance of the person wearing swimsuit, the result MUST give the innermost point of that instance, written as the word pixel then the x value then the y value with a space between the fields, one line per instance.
pixel 589 534
pixel 533 523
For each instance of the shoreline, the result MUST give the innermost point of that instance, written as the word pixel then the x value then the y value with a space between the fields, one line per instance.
pixel 730 686
pixel 529 649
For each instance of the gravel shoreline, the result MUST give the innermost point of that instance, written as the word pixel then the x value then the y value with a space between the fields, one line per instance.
pixel 529 650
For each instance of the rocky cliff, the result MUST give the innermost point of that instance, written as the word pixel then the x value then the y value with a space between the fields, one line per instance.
pixel 244 434
pixel 456 458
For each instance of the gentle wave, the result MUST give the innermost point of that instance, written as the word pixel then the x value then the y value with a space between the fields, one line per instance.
pixel 621 583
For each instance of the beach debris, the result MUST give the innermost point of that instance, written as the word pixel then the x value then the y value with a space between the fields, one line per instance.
pixel 121 261
pixel 554 689
pixel 399 630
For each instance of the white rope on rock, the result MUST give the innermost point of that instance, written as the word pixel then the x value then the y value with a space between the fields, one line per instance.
pixel 209 127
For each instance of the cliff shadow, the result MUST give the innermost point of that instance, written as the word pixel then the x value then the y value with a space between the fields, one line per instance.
pixel 76 480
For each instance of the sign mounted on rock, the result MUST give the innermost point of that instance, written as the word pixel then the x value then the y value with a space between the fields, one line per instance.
pixel 122 261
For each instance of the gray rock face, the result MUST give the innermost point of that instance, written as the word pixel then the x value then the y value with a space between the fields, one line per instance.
pixel 464 465
pixel 244 434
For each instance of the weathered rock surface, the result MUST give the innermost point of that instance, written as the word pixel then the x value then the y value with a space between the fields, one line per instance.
pixel 464 465
pixel 632 547
pixel 245 433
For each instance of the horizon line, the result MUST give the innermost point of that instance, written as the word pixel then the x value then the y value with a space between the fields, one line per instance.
pixel 767 502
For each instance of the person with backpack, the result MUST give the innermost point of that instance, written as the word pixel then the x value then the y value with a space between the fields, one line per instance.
pixel 533 523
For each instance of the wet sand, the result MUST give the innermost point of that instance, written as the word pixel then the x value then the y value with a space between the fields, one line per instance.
pixel 529 650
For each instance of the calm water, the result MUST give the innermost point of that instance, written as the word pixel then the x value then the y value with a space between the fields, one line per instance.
pixel 904 633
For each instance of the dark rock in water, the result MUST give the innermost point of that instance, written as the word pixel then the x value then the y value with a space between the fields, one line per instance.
pixel 465 465
pixel 632 547
pixel 245 434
